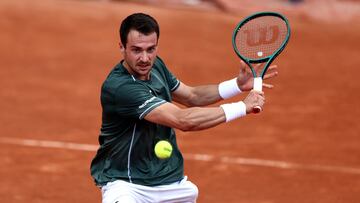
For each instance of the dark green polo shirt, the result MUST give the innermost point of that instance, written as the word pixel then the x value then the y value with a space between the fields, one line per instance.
pixel 126 139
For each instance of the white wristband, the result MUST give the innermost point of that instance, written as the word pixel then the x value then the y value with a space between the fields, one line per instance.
pixel 229 89
pixel 234 110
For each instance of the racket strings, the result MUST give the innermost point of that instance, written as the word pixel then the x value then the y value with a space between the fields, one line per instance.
pixel 261 37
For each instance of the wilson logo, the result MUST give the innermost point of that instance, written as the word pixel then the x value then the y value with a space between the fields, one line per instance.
pixel 263 35
pixel 146 102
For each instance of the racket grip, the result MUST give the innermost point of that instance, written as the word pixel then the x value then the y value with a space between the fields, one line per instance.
pixel 258 84
pixel 257 87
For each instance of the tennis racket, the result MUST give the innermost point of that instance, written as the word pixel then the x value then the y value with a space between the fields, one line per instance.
pixel 260 38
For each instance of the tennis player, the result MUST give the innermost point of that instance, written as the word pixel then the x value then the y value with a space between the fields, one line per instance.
pixel 137 112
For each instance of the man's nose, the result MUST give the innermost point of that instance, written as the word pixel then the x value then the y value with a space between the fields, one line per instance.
pixel 144 56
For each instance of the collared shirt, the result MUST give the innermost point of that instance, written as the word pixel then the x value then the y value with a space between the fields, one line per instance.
pixel 127 140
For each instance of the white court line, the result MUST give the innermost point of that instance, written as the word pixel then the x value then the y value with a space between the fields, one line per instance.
pixel 195 157
pixel 49 144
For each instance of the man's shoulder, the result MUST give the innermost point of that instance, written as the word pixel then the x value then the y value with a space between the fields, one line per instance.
pixel 160 66
pixel 117 77
pixel 159 63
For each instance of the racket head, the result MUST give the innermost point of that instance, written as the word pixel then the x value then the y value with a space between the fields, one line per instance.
pixel 260 38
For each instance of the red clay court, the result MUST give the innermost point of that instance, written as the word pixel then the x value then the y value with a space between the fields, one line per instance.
pixel 303 148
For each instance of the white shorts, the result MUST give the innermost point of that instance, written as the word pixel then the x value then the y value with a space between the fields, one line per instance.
pixel 120 191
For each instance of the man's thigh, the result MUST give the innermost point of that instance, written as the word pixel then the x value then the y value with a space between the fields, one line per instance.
pixel 121 192
pixel 185 191
pixel 124 192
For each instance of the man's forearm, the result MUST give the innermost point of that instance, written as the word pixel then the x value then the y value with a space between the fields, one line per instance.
pixel 205 95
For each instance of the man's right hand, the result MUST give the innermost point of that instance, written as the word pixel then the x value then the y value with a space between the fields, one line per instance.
pixel 253 99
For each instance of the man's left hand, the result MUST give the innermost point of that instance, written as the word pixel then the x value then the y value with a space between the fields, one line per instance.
pixel 245 80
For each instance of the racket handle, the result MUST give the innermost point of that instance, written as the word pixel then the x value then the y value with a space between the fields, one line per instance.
pixel 258 84
pixel 257 87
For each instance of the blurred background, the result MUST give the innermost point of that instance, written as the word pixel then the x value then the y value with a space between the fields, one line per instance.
pixel 304 147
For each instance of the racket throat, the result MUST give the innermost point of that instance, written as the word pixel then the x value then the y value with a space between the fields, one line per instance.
pixel 258 83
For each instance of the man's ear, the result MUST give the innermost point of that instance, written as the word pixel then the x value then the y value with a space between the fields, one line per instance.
pixel 122 48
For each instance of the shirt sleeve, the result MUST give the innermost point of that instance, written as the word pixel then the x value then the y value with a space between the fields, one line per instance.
pixel 135 100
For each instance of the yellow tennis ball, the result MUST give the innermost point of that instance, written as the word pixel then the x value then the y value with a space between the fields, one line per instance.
pixel 163 149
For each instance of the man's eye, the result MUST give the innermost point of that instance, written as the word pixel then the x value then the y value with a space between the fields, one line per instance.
pixel 151 50
pixel 137 51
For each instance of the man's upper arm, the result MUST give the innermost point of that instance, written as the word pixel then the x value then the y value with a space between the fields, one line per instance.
pixel 166 114
pixel 183 94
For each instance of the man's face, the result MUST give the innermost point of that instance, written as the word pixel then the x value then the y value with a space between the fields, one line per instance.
pixel 140 53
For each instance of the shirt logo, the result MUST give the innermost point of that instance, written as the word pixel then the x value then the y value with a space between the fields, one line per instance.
pixel 146 102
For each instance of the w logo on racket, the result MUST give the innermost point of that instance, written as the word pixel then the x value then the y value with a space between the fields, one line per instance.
pixel 261 36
